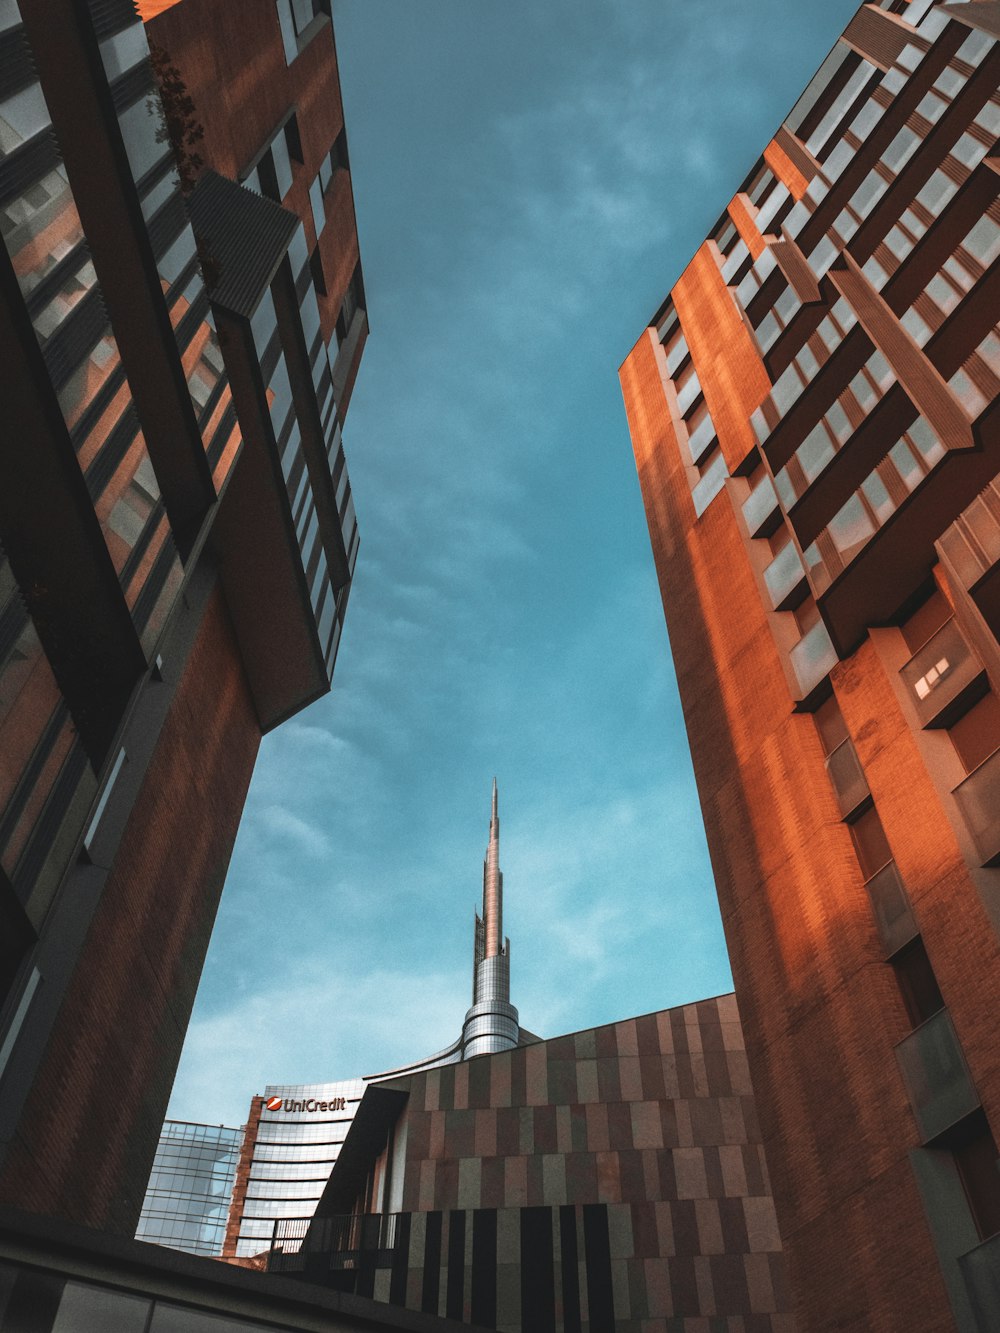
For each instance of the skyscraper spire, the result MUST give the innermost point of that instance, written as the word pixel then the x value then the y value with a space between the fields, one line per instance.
pixel 493 887
pixel 492 1022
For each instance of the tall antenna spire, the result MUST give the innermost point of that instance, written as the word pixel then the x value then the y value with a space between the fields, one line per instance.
pixel 493 887
pixel 491 1024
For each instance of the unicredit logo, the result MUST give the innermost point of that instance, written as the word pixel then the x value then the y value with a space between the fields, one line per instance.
pixel 310 1104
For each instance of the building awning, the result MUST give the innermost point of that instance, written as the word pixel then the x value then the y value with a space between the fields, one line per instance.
pixel 242 238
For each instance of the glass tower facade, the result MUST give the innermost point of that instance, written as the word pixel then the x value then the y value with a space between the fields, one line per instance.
pixel 299 1130
pixel 187 1201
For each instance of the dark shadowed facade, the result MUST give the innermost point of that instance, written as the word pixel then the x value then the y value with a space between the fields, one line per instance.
pixel 815 414
pixel 177 531
pixel 57 1278
pixel 612 1178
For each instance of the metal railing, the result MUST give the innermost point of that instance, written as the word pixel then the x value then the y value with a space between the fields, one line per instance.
pixel 347 1240
pixel 981 1270
pixel 937 1078
pixel 785 578
pixel 891 907
pixel 978 799
pixel 847 776
pixel 812 658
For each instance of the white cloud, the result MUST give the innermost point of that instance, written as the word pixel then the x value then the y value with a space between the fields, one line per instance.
pixel 282 824
pixel 312 1021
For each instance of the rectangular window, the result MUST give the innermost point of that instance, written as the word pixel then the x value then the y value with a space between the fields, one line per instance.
pixel 870 842
pixel 318 207
pixel 979 1171
pixel 976 735
pixel 917 983
pixel 303 14
pixel 316 269
pixel 293 140
pixel 338 153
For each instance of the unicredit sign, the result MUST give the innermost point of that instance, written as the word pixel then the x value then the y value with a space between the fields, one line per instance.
pixel 309 1104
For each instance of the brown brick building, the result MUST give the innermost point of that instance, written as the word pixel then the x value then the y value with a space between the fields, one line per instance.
pixel 609 1179
pixel 177 533
pixel 815 414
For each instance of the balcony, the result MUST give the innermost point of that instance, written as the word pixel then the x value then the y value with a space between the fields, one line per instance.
pixel 848 778
pixel 786 579
pixel 760 509
pixel 937 1078
pixel 812 659
pixel 891 907
pixel 972 560
pixel 978 799
pixel 981 1270
pixel 344 1242
pixel 943 677
pixel 702 438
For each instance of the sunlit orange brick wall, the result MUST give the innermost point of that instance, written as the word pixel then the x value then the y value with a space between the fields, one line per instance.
pixel 805 958
pixel 959 937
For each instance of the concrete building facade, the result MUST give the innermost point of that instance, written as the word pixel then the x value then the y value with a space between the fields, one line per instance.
pixel 59 1278
pixel 815 414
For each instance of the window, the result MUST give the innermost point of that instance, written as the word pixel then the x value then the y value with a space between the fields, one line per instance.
pixel 293 140
pixel 831 725
pixel 975 1156
pixel 338 154
pixel 316 268
pixel 711 483
pixel 925 621
pixel 294 19
pixel 976 735
pixel 726 238
pixel 870 842
pixel 760 184
pixel 917 983
pixel 318 206
pixel 354 300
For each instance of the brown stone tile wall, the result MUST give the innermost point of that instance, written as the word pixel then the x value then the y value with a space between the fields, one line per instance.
pixel 653 1117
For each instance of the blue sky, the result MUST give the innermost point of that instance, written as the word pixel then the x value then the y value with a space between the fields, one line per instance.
pixel 530 180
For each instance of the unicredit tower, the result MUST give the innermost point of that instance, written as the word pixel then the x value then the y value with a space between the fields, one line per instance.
pixel 294 1134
